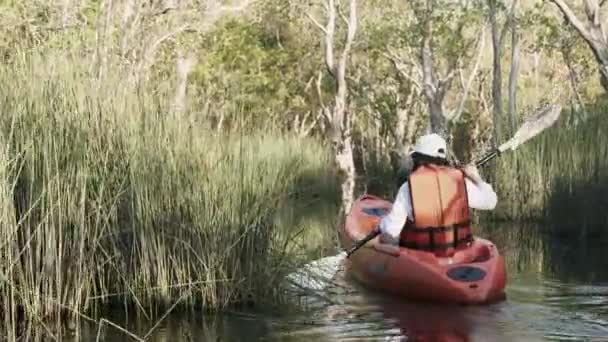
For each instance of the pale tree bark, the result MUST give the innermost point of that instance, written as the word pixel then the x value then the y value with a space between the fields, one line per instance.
pixel 536 58
pixel 496 71
pixel 303 127
pixel 104 29
pixel 146 29
pixel 66 13
pixel 340 116
pixel 573 77
pixel 593 32
pixel 128 13
pixel 435 86
pixel 513 73
pixel 498 35
pixel 183 68
pixel 314 117
pixel 481 94
pixel 409 123
pixel 406 122
pixel 407 93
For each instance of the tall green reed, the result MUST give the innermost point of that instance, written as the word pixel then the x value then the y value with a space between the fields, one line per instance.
pixel 106 199
pixel 560 177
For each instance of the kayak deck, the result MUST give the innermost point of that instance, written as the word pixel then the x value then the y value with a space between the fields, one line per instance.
pixel 472 275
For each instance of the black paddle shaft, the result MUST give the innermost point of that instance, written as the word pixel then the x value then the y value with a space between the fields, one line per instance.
pixel 489 156
pixel 362 242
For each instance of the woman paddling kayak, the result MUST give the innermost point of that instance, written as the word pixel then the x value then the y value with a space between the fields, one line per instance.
pixel 431 209
pixel 426 249
pixel 430 268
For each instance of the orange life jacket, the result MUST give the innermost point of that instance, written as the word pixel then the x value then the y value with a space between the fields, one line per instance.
pixel 440 206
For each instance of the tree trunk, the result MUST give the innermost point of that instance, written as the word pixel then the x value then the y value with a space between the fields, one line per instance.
pixel 66 13
pixel 513 75
pixel 437 118
pixel 434 90
pixel 573 79
pixel 342 142
pixel 497 41
pixel 402 115
pixel 104 30
pixel 346 168
pixel 405 119
pixel 430 81
pixel 340 117
pixel 496 74
pixel 593 33
pixel 183 68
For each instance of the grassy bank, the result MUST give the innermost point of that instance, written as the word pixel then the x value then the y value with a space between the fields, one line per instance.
pixel 106 199
pixel 560 177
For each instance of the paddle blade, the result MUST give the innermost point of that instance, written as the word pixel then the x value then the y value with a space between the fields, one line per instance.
pixel 533 126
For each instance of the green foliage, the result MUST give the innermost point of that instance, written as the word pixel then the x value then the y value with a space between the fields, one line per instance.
pixel 556 38
pixel 453 27
pixel 260 67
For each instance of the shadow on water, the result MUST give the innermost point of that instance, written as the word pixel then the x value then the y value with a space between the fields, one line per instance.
pixel 557 290
pixel 576 208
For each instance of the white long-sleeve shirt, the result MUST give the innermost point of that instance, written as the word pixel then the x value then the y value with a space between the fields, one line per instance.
pixel 481 196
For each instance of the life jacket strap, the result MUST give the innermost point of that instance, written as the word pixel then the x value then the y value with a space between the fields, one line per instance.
pixel 432 245
pixel 442 229
pixel 437 247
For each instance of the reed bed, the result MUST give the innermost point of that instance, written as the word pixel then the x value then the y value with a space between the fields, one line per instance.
pixel 560 178
pixel 107 200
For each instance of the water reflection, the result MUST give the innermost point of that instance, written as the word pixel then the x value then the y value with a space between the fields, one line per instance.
pixel 557 290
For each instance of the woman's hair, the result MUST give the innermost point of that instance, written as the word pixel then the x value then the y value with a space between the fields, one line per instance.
pixel 414 161
pixel 422 159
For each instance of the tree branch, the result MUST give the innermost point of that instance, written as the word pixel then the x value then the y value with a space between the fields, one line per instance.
pixel 342 16
pixel 306 131
pixel 318 24
pixel 427 69
pixel 320 96
pixel 573 19
pixel 455 115
pixel 592 9
pixel 398 63
pixel 151 49
pixel 510 17
pixel 328 34
pixel 352 29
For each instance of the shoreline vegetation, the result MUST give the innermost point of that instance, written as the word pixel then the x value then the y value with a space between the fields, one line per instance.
pixel 157 167
pixel 108 202
pixel 130 208
pixel 559 178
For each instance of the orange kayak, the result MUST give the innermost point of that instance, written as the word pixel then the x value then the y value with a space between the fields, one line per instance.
pixel 474 274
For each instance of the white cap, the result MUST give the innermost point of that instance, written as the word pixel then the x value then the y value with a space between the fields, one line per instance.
pixel 432 145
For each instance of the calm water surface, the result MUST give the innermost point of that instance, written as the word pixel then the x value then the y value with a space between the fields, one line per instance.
pixel 557 291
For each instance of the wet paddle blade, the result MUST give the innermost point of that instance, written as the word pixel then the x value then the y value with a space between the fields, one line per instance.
pixel 532 127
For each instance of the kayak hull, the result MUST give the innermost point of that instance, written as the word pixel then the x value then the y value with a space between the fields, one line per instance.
pixel 474 274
